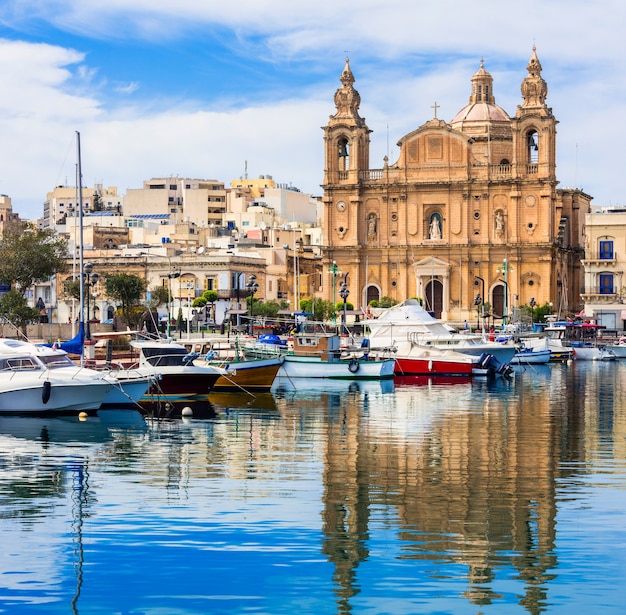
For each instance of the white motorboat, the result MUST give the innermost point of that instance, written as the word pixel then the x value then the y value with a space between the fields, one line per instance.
pixel 37 379
pixel 618 348
pixel 179 379
pixel 409 321
pixel 318 354
pixel 582 339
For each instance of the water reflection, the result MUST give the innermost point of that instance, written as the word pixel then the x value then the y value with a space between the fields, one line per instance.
pixel 428 496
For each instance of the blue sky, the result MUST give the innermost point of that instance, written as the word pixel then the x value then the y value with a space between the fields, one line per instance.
pixel 197 88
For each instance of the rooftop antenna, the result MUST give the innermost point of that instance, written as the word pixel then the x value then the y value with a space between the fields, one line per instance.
pixel 245 169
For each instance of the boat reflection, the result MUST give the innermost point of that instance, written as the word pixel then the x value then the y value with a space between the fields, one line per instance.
pixel 420 381
pixel 308 386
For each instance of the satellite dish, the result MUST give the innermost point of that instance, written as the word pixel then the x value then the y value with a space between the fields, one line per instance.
pixel 201 250
pixel 263 226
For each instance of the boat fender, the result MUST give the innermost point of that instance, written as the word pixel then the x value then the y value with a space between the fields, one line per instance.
pixel 353 366
pixel 189 358
pixel 45 393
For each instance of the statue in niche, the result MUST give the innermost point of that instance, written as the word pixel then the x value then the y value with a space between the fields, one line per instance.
pixel 371 227
pixel 435 227
pixel 499 223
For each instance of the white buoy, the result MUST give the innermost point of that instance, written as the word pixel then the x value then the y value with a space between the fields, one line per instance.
pixel 187 411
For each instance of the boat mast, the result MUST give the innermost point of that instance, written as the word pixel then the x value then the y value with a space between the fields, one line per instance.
pixel 80 249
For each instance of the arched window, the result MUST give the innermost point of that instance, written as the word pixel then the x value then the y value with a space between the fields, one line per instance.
pixel 344 154
pixel 532 141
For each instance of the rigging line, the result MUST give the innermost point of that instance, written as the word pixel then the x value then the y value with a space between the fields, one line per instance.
pixel 67 153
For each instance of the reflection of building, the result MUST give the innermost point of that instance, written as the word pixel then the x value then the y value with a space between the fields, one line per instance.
pixel 604 293
pixel 462 198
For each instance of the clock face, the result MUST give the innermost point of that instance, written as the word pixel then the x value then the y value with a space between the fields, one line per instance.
pixel 341 206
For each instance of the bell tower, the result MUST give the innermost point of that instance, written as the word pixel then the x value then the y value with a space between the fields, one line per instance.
pixel 346 135
pixel 534 127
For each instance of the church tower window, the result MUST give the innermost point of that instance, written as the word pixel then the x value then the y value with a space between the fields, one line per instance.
pixel 344 154
pixel 532 140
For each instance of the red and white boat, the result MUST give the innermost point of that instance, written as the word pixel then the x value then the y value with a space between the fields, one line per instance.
pixel 419 360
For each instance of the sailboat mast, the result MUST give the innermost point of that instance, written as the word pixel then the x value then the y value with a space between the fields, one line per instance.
pixel 80 218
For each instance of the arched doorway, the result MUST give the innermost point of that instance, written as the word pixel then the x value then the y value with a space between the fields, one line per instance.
pixel 497 301
pixel 373 294
pixel 434 298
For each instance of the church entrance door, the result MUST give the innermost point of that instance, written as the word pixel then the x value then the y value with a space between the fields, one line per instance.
pixel 434 298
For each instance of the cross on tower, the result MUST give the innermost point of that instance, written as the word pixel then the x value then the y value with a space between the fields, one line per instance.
pixel 435 107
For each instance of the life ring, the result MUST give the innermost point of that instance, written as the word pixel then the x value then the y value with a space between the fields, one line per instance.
pixel 353 366
pixel 45 392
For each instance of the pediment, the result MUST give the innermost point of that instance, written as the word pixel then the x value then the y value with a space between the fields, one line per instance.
pixel 431 265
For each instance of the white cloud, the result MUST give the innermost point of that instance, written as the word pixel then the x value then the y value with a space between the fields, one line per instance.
pixel 405 54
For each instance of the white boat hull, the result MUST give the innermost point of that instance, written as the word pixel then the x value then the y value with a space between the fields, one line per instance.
pixel 27 397
pixel 593 353
pixel 295 366
pixel 533 357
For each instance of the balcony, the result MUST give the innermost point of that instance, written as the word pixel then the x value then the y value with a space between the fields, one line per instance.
pixel 500 171
pixel 602 259
pixel 600 294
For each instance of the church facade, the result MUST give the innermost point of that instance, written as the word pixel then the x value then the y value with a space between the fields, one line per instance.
pixel 469 213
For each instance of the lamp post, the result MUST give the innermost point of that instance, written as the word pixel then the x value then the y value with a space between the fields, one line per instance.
pixel 170 275
pixel 532 304
pixel 334 271
pixel 344 293
pixel 482 301
pixel 478 301
pixel 252 287
pixel 90 279
pixel 190 284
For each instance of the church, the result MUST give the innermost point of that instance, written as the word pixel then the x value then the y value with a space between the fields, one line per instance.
pixel 469 213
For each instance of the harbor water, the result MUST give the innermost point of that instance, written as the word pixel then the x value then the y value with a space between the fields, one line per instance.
pixel 413 496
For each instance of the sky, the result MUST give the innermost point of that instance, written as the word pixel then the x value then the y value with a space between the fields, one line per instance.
pixel 211 90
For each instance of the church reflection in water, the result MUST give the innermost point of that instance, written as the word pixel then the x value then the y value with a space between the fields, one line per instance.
pixel 472 486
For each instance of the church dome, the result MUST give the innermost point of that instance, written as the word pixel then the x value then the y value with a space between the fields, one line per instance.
pixel 482 108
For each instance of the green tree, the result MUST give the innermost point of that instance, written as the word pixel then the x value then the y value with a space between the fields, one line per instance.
pixel 321 309
pixel 128 290
pixel 15 309
pixel 71 289
pixel 29 254
pixel 159 295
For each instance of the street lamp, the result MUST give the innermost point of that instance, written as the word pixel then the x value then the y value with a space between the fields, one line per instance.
pixel 334 271
pixel 344 293
pixel 170 276
pixel 482 301
pixel 190 284
pixel 532 304
pixel 252 286
pixel 477 302
pixel 90 279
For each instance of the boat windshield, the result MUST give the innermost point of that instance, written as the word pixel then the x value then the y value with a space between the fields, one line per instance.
pixel 166 357
pixel 18 364
pixel 55 361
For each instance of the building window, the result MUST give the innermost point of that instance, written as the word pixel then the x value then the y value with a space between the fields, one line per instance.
pixel 606 250
pixel 606 283
pixel 344 154
pixel 210 284
pixel 173 186
pixel 533 146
